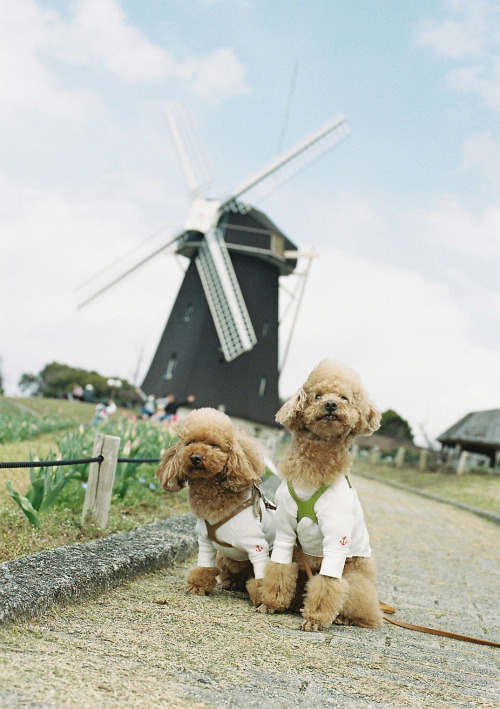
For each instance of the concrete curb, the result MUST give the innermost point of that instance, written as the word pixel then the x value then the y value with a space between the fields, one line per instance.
pixel 491 516
pixel 32 584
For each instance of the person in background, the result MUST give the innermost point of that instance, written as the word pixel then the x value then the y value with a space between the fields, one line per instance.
pixel 160 415
pixel 171 405
pixel 77 392
pixel 88 393
pixel 149 404
pixel 103 411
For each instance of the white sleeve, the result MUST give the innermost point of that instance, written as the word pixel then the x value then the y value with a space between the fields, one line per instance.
pixel 247 534
pixel 336 528
pixel 206 550
pixel 258 553
pixel 286 526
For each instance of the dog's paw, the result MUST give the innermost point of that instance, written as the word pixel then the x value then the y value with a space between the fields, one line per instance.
pixel 201 580
pixel 233 584
pixel 265 609
pixel 254 588
pixel 197 590
pixel 343 620
pixel 310 626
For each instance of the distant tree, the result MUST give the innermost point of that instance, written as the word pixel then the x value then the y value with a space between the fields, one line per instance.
pixel 30 384
pixel 395 426
pixel 56 381
pixel 1 380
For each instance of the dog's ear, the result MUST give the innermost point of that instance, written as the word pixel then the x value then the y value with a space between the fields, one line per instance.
pixel 245 465
pixel 290 413
pixel 369 420
pixel 169 471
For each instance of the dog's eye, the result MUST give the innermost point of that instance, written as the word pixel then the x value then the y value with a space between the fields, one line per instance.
pixel 214 445
pixel 344 398
pixel 318 396
pixel 190 443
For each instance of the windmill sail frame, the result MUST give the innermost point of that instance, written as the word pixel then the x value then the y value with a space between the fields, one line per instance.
pixel 224 297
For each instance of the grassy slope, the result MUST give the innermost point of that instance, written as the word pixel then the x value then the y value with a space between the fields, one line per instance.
pixel 61 525
pixel 478 490
pixel 70 410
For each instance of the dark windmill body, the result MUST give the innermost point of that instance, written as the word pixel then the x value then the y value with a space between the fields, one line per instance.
pixel 221 339
pixel 190 359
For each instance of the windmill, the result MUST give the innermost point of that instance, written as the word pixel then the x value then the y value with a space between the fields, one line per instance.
pixel 220 342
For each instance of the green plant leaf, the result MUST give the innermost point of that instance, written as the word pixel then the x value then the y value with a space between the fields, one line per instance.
pixel 24 504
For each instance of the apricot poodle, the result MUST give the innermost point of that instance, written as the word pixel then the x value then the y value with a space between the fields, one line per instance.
pixel 318 508
pixel 235 523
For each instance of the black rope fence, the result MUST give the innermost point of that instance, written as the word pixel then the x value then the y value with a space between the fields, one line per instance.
pixel 51 463
pixel 76 461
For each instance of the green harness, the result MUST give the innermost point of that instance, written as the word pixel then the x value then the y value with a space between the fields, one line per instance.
pixel 305 508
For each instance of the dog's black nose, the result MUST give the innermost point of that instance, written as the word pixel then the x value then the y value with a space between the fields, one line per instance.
pixel 196 459
pixel 331 406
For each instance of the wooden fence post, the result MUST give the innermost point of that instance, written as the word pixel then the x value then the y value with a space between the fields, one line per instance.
pixel 400 457
pixel 101 479
pixel 462 463
pixel 422 462
pixel 375 454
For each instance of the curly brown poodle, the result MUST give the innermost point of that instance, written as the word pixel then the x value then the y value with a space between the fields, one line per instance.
pixel 235 523
pixel 319 510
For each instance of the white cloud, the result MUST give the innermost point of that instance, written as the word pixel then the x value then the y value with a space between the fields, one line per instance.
pixel 468 34
pixel 478 298
pixel 472 35
pixel 482 152
pixel 36 44
pixel 55 243
pixel 452 226
pixel 483 80
pixel 218 75
pixel 351 218
pixel 26 84
pixel 99 31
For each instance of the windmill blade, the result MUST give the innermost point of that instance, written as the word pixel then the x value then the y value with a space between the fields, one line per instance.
pixel 296 160
pixel 122 267
pixel 225 300
pixel 187 145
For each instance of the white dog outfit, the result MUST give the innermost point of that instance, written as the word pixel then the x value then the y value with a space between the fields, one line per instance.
pixel 247 535
pixel 330 525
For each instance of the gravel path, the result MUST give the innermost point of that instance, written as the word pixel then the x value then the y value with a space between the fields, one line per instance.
pixel 148 644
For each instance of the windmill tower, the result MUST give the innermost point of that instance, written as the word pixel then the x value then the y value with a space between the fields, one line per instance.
pixel 220 342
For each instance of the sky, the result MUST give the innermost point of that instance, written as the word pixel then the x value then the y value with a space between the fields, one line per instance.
pixel 404 214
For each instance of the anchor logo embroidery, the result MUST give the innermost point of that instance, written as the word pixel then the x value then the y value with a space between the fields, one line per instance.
pixel 258 548
pixel 343 541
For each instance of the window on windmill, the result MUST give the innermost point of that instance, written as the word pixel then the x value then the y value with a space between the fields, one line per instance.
pixel 277 244
pixel 265 329
pixel 171 365
pixel 262 386
pixel 188 313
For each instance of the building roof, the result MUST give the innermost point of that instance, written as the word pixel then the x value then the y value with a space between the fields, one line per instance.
pixel 479 427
